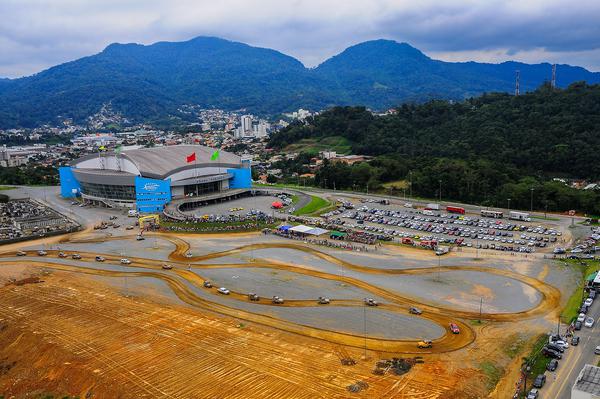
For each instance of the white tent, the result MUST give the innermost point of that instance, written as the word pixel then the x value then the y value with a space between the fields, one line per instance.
pixel 301 229
pixel 313 231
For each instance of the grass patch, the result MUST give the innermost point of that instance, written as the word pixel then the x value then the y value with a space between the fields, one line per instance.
pixel 340 145
pixel 515 345
pixel 493 373
pixel 571 309
pixel 477 322
pixel 537 362
pixel 212 227
pixel 396 185
pixel 544 218
pixel 315 204
pixel 3 188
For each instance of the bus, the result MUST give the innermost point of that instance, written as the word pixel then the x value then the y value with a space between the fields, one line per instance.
pixel 491 214
pixel 455 209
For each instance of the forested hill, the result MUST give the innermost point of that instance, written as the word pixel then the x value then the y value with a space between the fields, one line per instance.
pixel 475 147
pixel 146 83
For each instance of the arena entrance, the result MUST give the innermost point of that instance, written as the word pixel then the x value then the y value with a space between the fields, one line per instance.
pixel 202 188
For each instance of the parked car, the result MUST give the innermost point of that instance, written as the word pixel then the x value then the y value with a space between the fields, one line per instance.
pixel 539 381
pixel 129 228
pixel 578 325
pixel 551 353
pixel 575 341
pixel 424 344
pixel 100 259
pixel 533 394
pixel 588 302
pixel 223 291
pixel 555 347
pixel 207 284
pixel 414 310
pixel 597 350
pixel 139 237
pixel 552 365
pixel 454 328
pixel 592 294
pixel 581 317
pixel 589 322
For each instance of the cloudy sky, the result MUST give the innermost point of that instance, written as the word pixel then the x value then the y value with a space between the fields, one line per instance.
pixel 36 34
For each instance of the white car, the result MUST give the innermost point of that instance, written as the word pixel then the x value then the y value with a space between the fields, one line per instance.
pixel 223 291
pixel 581 317
pixel 588 302
pixel 125 261
pixel 589 322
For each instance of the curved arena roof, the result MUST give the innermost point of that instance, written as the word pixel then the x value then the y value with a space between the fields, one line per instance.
pixel 160 162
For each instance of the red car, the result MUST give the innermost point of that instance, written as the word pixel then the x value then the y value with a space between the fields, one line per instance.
pixel 454 328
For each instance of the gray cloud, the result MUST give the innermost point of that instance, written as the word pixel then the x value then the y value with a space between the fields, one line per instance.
pixel 36 34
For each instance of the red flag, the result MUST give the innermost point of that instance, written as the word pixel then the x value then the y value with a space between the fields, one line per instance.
pixel 191 157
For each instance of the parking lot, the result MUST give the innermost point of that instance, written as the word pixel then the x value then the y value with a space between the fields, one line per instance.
pixel 439 227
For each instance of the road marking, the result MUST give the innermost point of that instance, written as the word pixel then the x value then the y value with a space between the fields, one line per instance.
pixel 573 364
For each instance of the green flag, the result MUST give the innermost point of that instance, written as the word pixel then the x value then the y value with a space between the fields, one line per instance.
pixel 215 155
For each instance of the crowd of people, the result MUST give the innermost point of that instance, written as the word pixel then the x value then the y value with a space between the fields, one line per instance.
pixel 321 241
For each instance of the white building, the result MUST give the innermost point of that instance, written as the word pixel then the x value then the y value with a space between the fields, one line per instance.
pixel 587 385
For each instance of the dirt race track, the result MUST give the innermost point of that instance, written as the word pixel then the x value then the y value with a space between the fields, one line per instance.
pixel 187 357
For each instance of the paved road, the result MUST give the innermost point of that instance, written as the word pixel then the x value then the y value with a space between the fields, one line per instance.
pixel 559 383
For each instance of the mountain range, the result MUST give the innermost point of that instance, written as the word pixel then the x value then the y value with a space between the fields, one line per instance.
pixel 151 82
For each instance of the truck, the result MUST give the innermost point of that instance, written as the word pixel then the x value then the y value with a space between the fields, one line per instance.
pixel 432 207
pixel 523 216
pixel 455 209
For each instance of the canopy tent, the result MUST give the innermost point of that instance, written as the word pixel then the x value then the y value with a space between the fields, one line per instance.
pixel 313 231
pixel 284 228
pixel 301 229
pixel 316 231
pixel 337 234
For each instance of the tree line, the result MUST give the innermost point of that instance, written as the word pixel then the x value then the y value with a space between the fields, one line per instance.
pixel 486 150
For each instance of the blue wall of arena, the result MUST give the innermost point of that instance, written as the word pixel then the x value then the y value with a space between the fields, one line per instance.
pixel 242 178
pixel 69 186
pixel 151 195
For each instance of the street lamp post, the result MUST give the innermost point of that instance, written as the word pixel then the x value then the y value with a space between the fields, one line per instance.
pixel 508 206
pixel 531 201
pixel 440 181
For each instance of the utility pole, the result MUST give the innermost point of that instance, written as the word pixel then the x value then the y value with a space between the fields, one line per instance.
pixel 517 83
pixel 553 82
pixel 365 325
pixel 531 203
pixel 480 307
pixel 508 206
pixel 410 183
